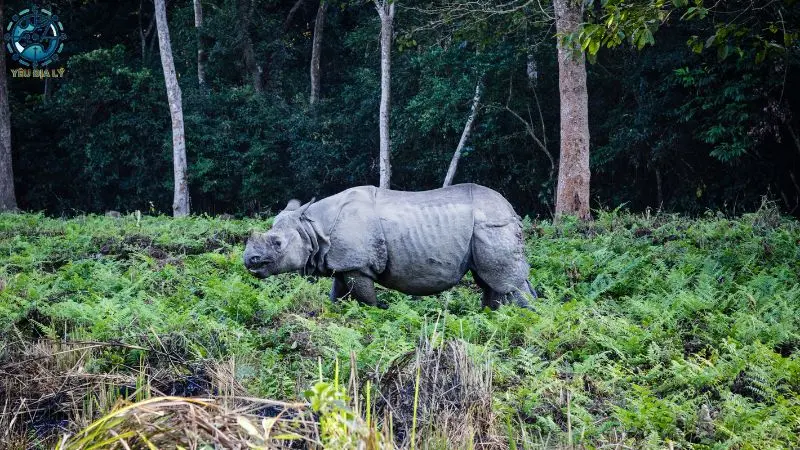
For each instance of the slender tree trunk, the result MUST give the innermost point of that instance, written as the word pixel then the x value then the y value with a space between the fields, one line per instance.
pixel 8 201
pixel 144 35
pixel 540 143
pixel 248 51
pixel 794 182
pixel 451 171
pixel 531 69
pixel 572 195
pixel 386 12
pixel 180 203
pixel 153 41
pixel 202 56
pixel 533 76
pixel 316 48
pixel 291 14
pixel 795 137
pixel 142 40
pixel 659 192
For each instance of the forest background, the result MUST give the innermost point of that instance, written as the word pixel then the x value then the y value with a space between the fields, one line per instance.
pixel 695 113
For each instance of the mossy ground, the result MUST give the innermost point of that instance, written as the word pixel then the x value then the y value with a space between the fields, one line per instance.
pixel 651 332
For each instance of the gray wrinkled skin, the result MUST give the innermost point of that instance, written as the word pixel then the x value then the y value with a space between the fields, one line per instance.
pixel 418 243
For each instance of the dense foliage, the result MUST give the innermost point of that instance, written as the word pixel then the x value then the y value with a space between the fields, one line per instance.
pixel 668 125
pixel 651 331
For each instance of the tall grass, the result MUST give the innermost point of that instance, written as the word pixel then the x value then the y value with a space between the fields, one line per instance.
pixel 651 331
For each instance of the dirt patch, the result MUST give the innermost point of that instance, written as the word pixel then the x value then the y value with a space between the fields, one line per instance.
pixel 223 240
pixel 136 243
pixel 787 348
pixel 751 385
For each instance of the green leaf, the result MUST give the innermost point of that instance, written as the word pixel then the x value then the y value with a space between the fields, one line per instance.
pixel 286 437
pixel 723 51
pixel 648 36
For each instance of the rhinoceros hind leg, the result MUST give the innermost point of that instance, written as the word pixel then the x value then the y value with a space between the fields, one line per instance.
pixel 355 285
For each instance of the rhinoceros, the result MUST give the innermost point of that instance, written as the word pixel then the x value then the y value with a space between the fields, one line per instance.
pixel 417 243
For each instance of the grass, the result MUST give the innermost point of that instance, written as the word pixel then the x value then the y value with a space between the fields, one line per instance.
pixel 651 332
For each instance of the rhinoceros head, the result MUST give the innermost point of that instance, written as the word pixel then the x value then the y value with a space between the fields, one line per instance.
pixel 281 249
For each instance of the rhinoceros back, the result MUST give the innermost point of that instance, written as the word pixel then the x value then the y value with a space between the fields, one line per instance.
pixel 428 234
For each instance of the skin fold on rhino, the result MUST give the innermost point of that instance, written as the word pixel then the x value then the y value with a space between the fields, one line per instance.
pixel 418 243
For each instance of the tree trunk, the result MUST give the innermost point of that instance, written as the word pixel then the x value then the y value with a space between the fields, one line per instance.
pixel 659 191
pixel 8 201
pixel 451 171
pixel 530 68
pixel 153 41
pixel 202 56
pixel 292 12
pixel 144 35
pixel 316 48
pixel 248 52
pixel 795 137
pixel 572 195
pixel 142 39
pixel 386 12
pixel 180 203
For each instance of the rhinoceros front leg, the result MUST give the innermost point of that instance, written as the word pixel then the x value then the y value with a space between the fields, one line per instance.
pixel 490 298
pixel 339 289
pixel 355 285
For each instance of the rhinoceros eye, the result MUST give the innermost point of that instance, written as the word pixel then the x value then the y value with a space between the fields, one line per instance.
pixel 276 242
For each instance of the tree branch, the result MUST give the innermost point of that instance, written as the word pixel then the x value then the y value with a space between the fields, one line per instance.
pixel 476 99
pixel 529 129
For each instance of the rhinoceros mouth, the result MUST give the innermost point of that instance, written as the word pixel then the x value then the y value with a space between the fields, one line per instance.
pixel 259 266
pixel 260 272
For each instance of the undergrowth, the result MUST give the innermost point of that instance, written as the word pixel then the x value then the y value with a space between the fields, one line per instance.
pixel 649 332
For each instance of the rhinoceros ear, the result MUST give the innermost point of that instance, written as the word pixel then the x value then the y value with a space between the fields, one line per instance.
pixel 292 205
pixel 303 208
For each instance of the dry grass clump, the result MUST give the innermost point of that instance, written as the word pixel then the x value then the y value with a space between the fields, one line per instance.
pixel 46 394
pixel 181 422
pixel 435 397
pixel 44 388
pixel 440 397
